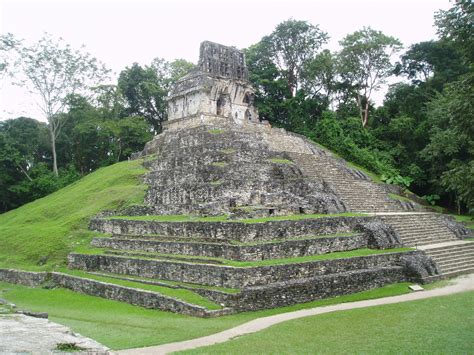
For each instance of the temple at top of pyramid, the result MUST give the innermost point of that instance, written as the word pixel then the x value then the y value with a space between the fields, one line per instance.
pixel 218 87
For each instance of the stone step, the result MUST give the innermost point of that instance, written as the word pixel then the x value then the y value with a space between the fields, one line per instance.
pixel 253 252
pixel 459 271
pixel 446 251
pixel 424 241
pixel 421 229
pixel 446 268
pixel 229 276
pixel 455 263
pixel 232 231
pixel 427 236
pixel 453 258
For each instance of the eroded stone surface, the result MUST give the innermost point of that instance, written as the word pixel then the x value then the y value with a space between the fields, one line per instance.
pixel 23 334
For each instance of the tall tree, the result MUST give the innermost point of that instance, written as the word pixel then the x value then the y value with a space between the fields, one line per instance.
pixel 145 88
pixel 319 75
pixel 291 45
pixel 456 25
pixel 365 64
pixel 8 44
pixel 53 71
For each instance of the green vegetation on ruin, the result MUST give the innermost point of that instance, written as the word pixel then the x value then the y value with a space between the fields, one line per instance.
pixel 434 325
pixel 225 218
pixel 399 198
pixel 220 164
pixel 177 293
pixel 281 161
pixel 266 262
pixel 40 234
pixel 277 241
pixel 216 131
pixel 467 220
pixel 165 283
pixel 119 325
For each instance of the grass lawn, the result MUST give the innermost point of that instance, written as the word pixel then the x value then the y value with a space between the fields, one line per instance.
pixel 40 234
pixel 440 325
pixel 119 325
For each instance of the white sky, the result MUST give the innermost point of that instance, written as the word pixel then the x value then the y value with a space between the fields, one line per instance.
pixel 120 32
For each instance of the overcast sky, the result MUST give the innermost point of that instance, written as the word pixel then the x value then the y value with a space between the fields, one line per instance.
pixel 120 32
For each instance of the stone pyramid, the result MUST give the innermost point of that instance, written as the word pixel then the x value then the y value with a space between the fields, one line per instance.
pixel 250 217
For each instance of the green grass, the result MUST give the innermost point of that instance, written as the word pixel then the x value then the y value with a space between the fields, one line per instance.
pixel 266 262
pixel 277 241
pixel 119 325
pixel 168 282
pixel 399 198
pixel 228 151
pixel 440 325
pixel 225 218
pixel 40 234
pixel 281 161
pixel 216 131
pixel 220 164
pixel 467 220
pixel 297 217
pixel 173 218
pixel 321 257
pixel 178 293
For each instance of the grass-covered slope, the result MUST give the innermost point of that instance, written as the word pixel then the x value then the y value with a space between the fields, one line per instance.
pixel 40 234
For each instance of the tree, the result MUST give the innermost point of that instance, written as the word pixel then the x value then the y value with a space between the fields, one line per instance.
pixel 456 25
pixel 431 64
pixel 145 88
pixel 53 71
pixel 364 64
pixel 8 44
pixel 319 75
pixel 291 45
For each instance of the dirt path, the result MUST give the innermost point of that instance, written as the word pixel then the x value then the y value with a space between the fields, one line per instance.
pixel 461 284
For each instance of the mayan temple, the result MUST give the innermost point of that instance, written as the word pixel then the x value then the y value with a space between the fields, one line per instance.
pixel 252 217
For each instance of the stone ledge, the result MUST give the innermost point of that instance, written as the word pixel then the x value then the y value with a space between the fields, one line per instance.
pixel 143 298
pixel 228 276
pixel 231 231
pixel 277 250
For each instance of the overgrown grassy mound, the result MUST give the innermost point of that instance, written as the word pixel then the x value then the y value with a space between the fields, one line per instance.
pixel 40 234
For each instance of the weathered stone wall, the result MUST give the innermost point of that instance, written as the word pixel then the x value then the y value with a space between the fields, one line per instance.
pixel 143 298
pixel 210 171
pixel 284 249
pixel 254 298
pixel 227 276
pixel 25 278
pixel 231 231
pixel 299 291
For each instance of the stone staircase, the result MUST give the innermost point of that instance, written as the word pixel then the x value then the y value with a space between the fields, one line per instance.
pixel 418 229
pixel 354 188
pixel 453 258
pixel 430 233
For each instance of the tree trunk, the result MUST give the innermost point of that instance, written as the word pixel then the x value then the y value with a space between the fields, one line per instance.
pixel 361 111
pixel 53 150
pixel 365 121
